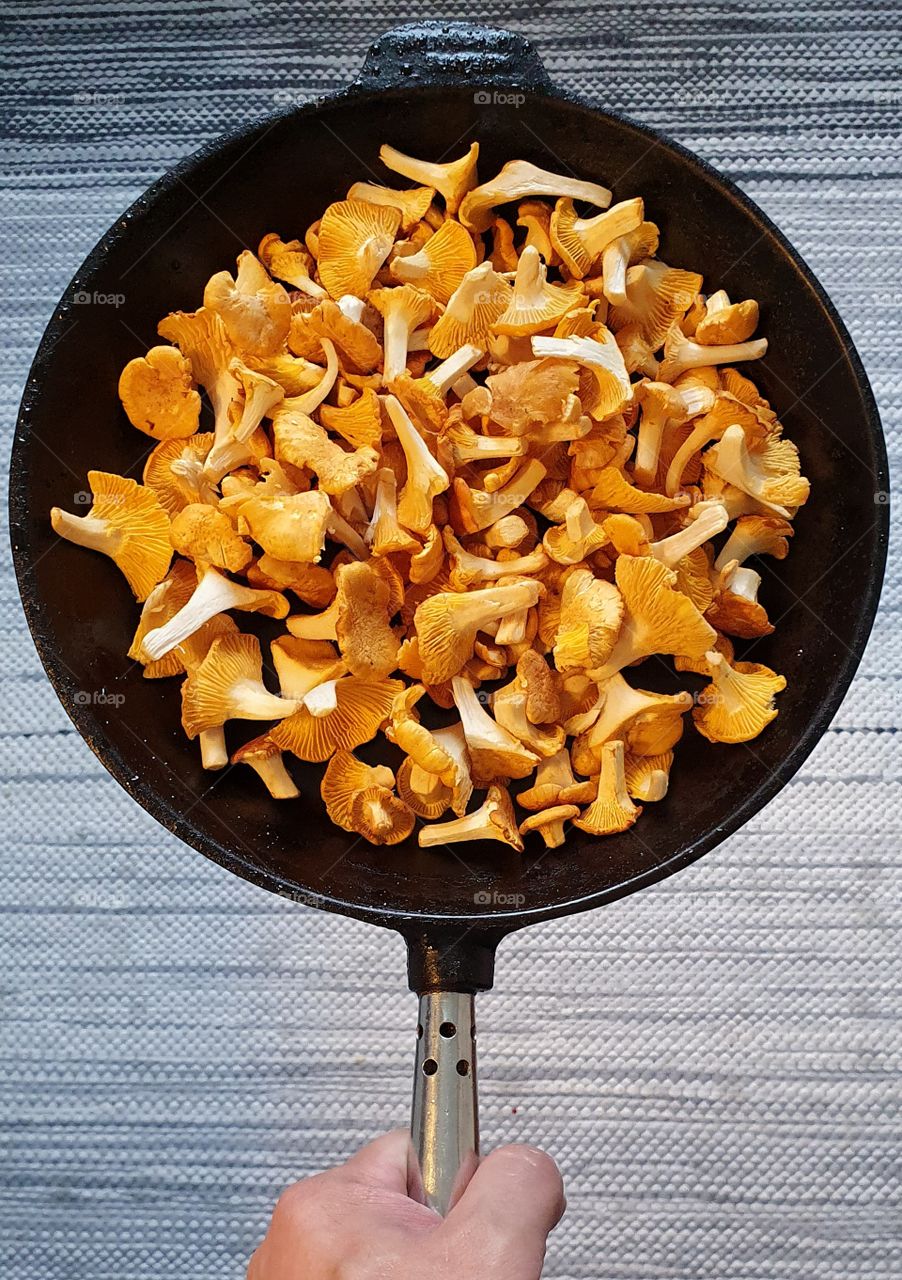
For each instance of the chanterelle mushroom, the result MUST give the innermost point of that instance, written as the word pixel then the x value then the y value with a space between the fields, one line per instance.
pixel 739 702
pixel 493 820
pixel 125 522
pixel 359 797
pixel 451 179
pixel 612 810
pixel 158 394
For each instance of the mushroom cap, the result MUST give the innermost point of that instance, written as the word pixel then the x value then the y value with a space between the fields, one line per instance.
pixel 380 817
pixel 255 310
pixel 355 238
pixel 424 793
pixel 362 708
pixel 228 683
pixel 472 309
pixel 202 532
pixel 739 702
pixel 289 527
pixel 656 296
pixel 412 203
pixel 357 345
pixel 442 262
pixel 174 470
pixel 158 394
pixel 734 323
pixel 301 664
pixel 590 621
pixel 314 584
pixel 365 638
pixel 344 778
pixel 612 810
pixel 360 422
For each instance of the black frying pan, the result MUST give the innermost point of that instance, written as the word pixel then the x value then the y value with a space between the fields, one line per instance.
pixel 428 90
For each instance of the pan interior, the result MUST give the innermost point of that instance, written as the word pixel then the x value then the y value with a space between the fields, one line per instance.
pixel 279 176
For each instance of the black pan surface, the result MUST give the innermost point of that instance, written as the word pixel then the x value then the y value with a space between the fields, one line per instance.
pixel 278 175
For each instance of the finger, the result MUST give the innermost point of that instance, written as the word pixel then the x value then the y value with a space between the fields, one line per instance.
pixel 516 1197
pixel 382 1163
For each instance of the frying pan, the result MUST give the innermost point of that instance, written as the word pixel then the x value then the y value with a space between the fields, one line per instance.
pixel 429 89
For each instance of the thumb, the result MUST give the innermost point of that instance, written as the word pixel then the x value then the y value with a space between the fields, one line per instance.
pixel 516 1197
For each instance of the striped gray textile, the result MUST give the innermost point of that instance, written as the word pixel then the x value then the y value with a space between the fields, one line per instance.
pixel 714 1063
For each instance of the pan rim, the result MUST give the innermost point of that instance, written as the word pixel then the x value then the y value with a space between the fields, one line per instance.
pixel 499 921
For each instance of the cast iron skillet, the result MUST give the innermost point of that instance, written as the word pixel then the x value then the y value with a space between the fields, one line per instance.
pixel 429 90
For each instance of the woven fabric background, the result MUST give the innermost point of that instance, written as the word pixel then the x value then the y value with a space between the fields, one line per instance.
pixel 714 1063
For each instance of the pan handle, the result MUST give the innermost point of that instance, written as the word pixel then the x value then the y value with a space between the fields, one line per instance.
pixel 444 1121
pixel 446 967
pixel 450 53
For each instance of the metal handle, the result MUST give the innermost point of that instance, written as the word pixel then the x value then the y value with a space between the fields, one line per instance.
pixel 452 53
pixel 444 1123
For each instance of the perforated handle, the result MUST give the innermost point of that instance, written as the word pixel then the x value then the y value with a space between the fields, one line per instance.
pixel 452 53
pixel 444 1122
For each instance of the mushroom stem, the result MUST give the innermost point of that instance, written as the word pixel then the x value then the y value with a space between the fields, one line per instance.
pixel 707 524
pixel 257 703
pixel 454 367
pixel 213 753
pixel 397 333
pixel 85 531
pixel 275 777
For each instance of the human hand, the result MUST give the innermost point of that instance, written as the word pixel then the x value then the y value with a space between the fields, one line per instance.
pixel 357 1222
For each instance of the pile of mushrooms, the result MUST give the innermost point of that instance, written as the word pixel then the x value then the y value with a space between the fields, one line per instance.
pixel 482 452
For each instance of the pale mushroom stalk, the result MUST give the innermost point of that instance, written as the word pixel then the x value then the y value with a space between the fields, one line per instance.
pixel 399 324
pixel 214 594
pixel 312 399
pixel 213 751
pixel 614 262
pixel 483 509
pixel 351 307
pixel 447 374
pixel 519 179
pixel 426 478
pixel 710 519
pixel 681 353
pixel 467 445
pixel 322 699
pixel 469 568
